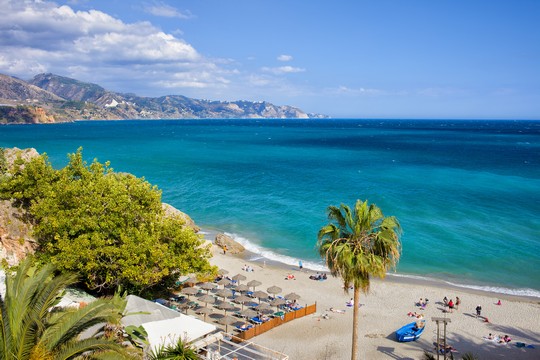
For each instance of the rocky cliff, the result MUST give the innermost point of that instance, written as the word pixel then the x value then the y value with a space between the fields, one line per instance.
pixel 60 98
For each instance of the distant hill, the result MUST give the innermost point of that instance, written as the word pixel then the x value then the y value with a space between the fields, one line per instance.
pixel 54 98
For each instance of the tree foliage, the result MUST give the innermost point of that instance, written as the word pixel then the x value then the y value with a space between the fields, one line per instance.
pixel 108 227
pixel 30 330
pixel 356 245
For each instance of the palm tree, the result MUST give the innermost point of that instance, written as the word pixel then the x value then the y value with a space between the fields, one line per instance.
pixel 181 350
pixel 356 245
pixel 31 329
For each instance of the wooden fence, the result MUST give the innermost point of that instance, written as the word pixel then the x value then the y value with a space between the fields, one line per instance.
pixel 277 321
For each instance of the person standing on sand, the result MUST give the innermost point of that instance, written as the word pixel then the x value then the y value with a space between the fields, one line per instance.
pixel 224 249
pixel 478 310
pixel 300 265
pixel 458 302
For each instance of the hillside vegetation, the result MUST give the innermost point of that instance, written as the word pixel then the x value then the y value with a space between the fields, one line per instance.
pixel 107 227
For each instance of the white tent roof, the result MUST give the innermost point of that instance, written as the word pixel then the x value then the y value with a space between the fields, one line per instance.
pixel 167 332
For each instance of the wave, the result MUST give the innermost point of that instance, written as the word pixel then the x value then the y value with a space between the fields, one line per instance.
pixel 525 292
pixel 261 253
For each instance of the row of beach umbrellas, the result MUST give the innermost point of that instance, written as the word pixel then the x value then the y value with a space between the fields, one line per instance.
pixel 225 293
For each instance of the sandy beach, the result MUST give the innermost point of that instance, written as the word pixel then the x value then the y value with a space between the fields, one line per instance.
pixel 385 309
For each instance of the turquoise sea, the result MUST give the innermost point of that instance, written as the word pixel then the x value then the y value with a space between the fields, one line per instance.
pixel 467 193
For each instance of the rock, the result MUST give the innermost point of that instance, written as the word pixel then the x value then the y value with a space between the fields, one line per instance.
pixel 233 247
pixel 15 234
pixel 171 211
pixel 12 154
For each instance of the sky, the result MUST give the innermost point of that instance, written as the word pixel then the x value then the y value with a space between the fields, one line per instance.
pixel 403 59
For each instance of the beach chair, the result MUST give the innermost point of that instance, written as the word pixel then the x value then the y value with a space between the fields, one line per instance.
pixel 256 320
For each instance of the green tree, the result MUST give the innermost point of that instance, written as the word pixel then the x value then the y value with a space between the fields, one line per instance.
pixel 30 330
pixel 28 182
pixel 107 227
pixel 356 245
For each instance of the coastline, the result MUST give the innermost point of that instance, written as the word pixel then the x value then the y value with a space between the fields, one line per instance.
pixel 384 310
pixel 506 293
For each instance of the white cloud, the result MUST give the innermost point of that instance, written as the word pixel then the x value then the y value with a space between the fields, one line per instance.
pixel 40 36
pixel 282 70
pixel 165 10
pixel 284 58
pixel 344 90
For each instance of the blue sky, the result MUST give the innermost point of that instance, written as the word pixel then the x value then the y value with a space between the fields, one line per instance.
pixel 462 59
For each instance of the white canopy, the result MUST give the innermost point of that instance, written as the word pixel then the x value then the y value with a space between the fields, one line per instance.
pixel 169 331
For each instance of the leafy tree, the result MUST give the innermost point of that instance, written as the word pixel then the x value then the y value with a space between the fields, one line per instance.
pixel 357 244
pixel 3 161
pixel 107 227
pixel 29 181
pixel 30 330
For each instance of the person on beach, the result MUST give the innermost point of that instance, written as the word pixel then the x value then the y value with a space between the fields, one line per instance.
pixel 458 302
pixel 499 302
pixel 505 339
pixel 445 301
pixel 478 310
pixel 450 306
pixel 224 249
pixel 420 323
pixel 300 265
pixel 350 302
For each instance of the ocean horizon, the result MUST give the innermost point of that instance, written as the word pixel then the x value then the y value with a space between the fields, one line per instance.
pixel 467 192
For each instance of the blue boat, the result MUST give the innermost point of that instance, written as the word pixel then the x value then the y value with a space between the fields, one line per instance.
pixel 409 332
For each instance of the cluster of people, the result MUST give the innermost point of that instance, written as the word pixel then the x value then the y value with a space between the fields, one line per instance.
pixel 451 305
pixel 422 303
pixel 500 339
pixel 247 268
pixel 318 276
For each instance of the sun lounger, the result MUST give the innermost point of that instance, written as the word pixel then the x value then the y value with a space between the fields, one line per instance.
pixel 256 320
pixel 244 328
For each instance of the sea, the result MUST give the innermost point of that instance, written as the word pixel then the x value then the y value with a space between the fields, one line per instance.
pixel 466 192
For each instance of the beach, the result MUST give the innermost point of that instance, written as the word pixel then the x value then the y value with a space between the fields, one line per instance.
pixel 327 334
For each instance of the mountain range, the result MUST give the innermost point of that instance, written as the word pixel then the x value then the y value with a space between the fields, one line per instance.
pixel 50 98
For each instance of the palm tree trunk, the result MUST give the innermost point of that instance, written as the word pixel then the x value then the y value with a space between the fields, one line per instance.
pixel 356 315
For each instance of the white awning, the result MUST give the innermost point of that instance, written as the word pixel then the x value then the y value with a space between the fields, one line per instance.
pixel 169 331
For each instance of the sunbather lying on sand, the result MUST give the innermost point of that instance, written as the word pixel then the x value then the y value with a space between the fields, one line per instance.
pixel 337 311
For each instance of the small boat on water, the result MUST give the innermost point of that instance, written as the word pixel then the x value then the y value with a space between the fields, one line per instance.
pixel 409 332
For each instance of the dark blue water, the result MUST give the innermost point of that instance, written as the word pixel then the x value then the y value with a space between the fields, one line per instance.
pixel 467 193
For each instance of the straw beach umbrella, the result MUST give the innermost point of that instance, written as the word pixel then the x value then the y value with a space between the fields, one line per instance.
pixel 264 308
pixel 207 286
pixel 224 293
pixel 248 313
pixel 207 299
pixel 189 291
pixel 241 288
pixel 242 299
pixel 223 272
pixel 274 290
pixel 292 296
pixel 226 320
pixel 203 310
pixel 254 284
pixel 224 282
pixel 260 295
pixel 277 302
pixel 239 277
pixel 225 306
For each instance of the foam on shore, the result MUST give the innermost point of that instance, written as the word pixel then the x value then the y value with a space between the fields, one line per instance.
pixel 260 254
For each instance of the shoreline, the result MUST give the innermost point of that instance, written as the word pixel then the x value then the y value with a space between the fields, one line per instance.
pixel 382 311
pixel 249 255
